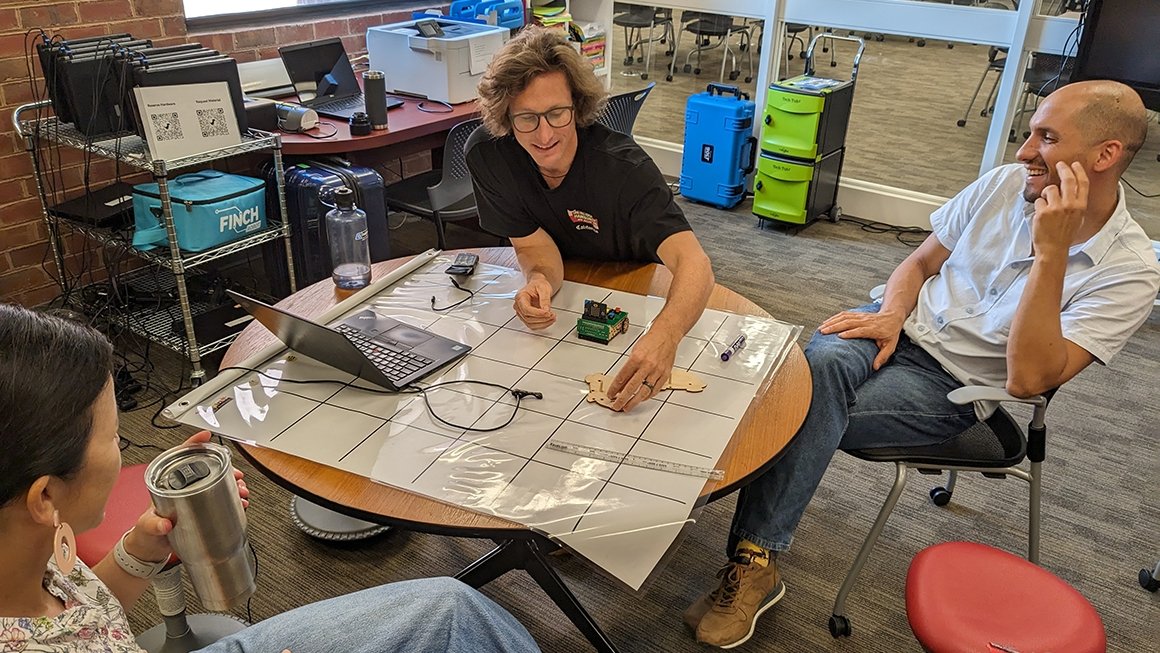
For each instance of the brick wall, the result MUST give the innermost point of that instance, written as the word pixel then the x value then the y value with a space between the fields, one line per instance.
pixel 23 236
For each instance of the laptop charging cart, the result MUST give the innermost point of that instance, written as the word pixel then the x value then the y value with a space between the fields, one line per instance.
pixel 803 141
pixel 445 66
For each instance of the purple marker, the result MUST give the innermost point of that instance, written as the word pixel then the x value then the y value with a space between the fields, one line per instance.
pixel 737 345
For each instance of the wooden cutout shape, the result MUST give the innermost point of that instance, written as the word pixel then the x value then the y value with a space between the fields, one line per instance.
pixel 684 380
pixel 597 389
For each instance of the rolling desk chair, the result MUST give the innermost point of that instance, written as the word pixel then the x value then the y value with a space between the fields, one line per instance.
pixel 706 27
pixel 635 19
pixel 996 59
pixel 441 195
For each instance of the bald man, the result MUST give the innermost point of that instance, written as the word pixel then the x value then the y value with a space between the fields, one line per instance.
pixel 1031 273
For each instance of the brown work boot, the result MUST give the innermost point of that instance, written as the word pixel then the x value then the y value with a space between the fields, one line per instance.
pixel 747 589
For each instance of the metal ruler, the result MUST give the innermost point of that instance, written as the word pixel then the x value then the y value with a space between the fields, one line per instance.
pixel 636 461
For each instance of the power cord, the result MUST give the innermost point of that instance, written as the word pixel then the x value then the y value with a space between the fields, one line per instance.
pixel 901 234
pixel 439 309
pixel 518 393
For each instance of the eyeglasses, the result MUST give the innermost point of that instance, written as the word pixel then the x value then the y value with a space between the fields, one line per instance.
pixel 530 121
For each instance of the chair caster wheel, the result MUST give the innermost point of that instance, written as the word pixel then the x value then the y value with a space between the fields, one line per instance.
pixel 687 68
pixel 921 43
pixel 802 54
pixel 668 78
pixel 839 626
pixel 1148 582
pixel 644 75
pixel 628 61
pixel 733 75
pixel 748 80
pixel 880 37
pixel 950 46
pixel 835 214
pixel 961 123
pixel 640 59
pixel 789 57
pixel 940 496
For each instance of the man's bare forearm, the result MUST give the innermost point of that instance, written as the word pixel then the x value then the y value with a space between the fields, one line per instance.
pixel 539 257
pixel 1036 350
pixel 688 295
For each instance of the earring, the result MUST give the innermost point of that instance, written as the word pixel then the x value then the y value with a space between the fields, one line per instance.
pixel 64 545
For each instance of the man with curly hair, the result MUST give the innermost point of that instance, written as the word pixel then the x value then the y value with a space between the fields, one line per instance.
pixel 560 185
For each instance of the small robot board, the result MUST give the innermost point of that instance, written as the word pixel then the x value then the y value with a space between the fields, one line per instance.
pixel 600 323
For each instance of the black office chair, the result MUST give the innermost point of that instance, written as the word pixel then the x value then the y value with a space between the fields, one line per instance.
pixel 621 111
pixel 994 448
pixel 1046 73
pixel 706 27
pixel 996 59
pixel 635 19
pixel 440 196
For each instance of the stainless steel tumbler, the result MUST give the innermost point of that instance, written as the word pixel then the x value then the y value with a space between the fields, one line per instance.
pixel 375 94
pixel 193 486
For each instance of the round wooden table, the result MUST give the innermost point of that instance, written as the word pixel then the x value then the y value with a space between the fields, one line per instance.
pixel 773 418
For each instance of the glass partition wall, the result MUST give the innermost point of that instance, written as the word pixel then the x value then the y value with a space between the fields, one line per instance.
pixel 926 119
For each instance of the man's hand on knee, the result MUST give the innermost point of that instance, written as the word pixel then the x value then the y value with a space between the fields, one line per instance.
pixel 883 328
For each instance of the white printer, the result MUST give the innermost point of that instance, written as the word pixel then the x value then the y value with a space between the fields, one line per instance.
pixel 436 58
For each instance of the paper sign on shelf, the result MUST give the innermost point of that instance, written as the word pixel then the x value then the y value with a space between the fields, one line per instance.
pixel 187 119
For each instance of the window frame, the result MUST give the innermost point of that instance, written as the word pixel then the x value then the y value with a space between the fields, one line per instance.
pixel 314 11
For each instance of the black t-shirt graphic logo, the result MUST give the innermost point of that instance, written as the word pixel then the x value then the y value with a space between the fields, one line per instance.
pixel 583 221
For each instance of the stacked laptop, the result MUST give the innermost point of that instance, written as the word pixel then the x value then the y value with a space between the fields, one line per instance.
pixel 90 81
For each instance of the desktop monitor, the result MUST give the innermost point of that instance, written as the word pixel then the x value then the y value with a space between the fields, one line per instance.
pixel 1119 43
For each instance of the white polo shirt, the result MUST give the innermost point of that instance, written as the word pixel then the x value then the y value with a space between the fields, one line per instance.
pixel 964 313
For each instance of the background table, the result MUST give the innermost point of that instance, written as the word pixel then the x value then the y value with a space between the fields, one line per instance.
pixel 409 130
pixel 773 418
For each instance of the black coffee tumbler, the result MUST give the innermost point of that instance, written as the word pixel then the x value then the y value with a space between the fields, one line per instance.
pixel 375 92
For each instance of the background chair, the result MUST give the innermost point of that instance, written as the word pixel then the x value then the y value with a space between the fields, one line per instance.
pixel 180 633
pixel 706 27
pixel 441 195
pixel 1046 73
pixel 635 19
pixel 996 59
pixel 621 111
pixel 963 596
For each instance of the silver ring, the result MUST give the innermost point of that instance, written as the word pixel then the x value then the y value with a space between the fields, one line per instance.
pixel 648 385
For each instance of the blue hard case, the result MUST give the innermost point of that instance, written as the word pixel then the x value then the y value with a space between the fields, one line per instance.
pixel 718 133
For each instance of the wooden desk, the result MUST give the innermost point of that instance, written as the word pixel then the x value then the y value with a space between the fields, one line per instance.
pixel 772 420
pixel 409 131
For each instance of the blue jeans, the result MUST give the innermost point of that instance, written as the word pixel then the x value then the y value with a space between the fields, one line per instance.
pixel 854 407
pixel 415 616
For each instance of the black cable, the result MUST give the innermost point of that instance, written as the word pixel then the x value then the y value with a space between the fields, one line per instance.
pixel 249 614
pixel 470 294
pixel 125 443
pixel 447 108
pixel 518 393
pixel 900 233
pixel 1138 191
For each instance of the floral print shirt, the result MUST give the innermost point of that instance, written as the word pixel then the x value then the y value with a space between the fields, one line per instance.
pixel 92 622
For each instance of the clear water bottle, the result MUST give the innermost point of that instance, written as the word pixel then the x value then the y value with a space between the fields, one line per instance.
pixel 346 230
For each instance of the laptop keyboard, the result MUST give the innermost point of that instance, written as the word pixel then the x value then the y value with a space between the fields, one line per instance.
pixel 352 102
pixel 395 364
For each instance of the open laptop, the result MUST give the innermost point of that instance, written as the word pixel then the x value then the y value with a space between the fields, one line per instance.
pixel 381 350
pixel 324 80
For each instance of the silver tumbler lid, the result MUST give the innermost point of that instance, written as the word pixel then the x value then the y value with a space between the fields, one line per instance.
pixel 186 470
pixel 374 74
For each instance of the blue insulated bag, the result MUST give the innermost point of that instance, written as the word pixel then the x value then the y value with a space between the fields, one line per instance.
pixel 209 207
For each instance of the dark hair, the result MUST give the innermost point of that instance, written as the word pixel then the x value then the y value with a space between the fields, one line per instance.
pixel 534 52
pixel 51 372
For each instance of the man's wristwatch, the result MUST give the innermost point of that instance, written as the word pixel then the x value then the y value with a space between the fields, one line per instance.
pixel 133 565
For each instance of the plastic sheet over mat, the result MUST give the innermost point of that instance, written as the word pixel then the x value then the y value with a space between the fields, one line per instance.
pixel 622 517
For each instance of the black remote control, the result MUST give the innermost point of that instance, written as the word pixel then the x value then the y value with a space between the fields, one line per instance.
pixel 463 265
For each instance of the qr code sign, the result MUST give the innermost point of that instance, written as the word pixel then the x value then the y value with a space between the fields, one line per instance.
pixel 166 126
pixel 212 122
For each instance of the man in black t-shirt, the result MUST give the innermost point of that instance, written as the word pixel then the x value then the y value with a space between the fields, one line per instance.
pixel 560 185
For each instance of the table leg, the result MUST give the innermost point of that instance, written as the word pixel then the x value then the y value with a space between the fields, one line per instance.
pixel 529 556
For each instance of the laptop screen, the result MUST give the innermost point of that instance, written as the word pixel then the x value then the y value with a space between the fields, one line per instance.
pixel 320 70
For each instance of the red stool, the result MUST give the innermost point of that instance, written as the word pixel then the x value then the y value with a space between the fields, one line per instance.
pixel 963 596
pixel 180 632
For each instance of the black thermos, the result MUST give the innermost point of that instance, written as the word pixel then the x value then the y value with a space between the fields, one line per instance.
pixel 375 92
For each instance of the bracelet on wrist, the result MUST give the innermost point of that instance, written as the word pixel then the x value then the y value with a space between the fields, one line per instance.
pixel 133 565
